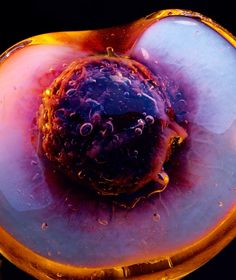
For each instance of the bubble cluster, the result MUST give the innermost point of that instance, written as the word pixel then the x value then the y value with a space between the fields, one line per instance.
pixel 103 122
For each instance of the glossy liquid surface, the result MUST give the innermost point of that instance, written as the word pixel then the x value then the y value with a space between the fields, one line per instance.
pixel 195 210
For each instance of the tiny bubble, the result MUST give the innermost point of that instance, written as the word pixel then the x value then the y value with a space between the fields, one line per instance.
pixel 72 114
pixel 72 83
pixel 178 95
pixel 44 226
pixel 138 131
pixel 116 138
pixel 221 203
pixel 102 222
pixel 80 174
pixel 181 105
pixel 149 119
pixel 86 129
pixel 156 217
pixel 71 92
pixel 60 113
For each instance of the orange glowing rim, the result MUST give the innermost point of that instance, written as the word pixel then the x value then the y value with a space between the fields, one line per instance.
pixel 172 267
pixel 179 263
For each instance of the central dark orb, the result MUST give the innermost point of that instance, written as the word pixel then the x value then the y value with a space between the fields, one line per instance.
pixel 108 124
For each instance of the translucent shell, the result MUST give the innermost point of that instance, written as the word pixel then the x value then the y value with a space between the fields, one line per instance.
pixel 53 234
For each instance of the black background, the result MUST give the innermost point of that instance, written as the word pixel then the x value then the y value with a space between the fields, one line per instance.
pixel 23 19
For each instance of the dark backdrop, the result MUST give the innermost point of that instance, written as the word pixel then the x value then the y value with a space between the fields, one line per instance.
pixel 27 18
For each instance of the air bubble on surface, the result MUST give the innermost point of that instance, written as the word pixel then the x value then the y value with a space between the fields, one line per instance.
pixel 149 119
pixel 86 129
pixel 44 226
pixel 102 222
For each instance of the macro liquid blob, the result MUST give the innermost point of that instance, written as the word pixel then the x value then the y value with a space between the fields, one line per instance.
pixel 118 149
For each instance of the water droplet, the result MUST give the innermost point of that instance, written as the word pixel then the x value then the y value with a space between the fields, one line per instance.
pixel 86 129
pixel 138 131
pixel 163 178
pixel 44 226
pixel 221 203
pixel 59 275
pixel 126 94
pixel 102 222
pixel 110 51
pixel 149 119
pixel 156 217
